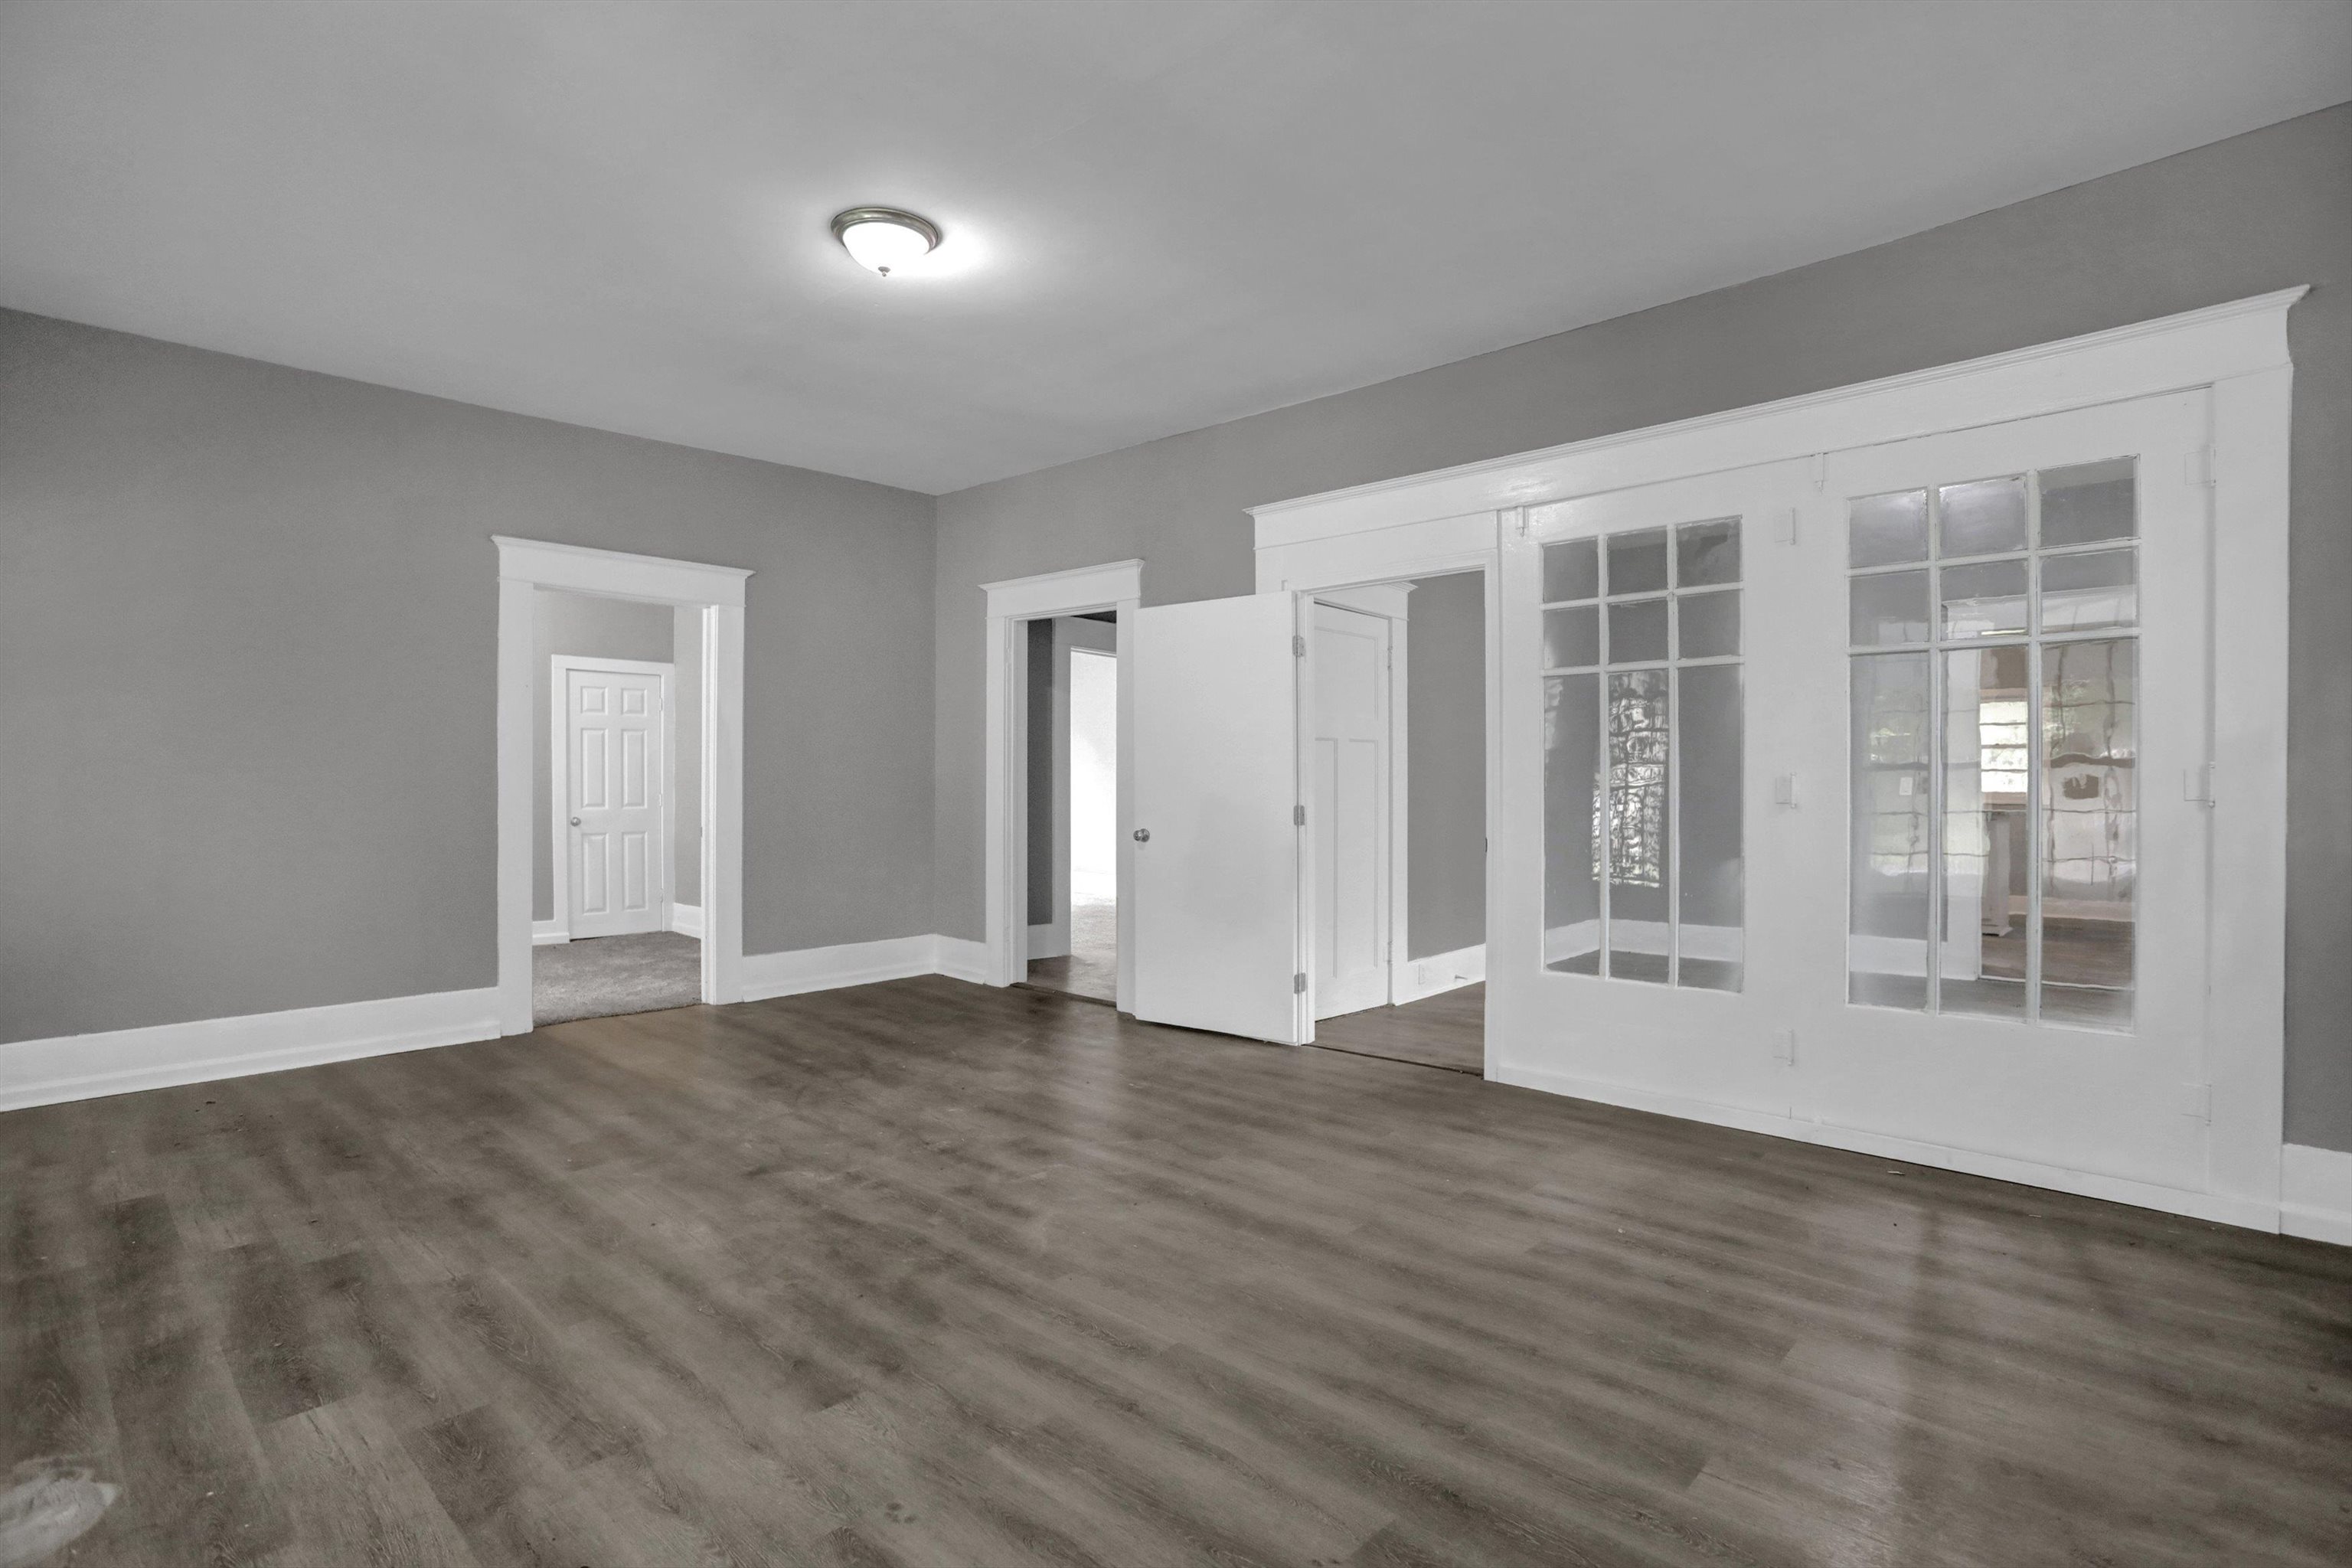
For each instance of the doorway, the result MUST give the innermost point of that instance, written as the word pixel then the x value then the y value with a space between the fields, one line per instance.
pixel 1036 627
pixel 1311 864
pixel 615 927
pixel 658 738
pixel 1396 811
pixel 1073 730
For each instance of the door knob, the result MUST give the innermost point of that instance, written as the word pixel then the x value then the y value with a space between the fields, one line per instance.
pixel 575 821
pixel 1143 836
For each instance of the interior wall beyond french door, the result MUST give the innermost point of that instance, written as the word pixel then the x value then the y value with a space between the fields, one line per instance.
pixel 1862 792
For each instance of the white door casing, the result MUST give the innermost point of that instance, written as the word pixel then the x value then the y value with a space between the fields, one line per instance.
pixel 1220 942
pixel 1118 587
pixel 615 820
pixel 717 594
pixel 1347 810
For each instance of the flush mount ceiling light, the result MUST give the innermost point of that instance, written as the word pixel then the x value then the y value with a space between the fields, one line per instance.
pixel 885 238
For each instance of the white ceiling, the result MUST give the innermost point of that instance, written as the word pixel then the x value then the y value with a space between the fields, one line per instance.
pixel 1158 215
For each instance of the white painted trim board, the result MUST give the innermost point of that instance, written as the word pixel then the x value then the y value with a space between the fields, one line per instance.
pixel 124 1061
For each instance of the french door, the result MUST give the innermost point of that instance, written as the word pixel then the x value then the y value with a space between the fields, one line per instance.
pixel 1865 790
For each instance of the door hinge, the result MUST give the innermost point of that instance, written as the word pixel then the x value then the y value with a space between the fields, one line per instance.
pixel 1298 647
pixel 1297 817
pixel 2199 466
pixel 1299 984
pixel 2197 1101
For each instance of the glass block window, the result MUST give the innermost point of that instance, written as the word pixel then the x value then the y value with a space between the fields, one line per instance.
pixel 1645 874
pixel 1993 627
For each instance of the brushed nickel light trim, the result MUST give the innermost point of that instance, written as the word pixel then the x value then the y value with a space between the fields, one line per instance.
pixel 896 217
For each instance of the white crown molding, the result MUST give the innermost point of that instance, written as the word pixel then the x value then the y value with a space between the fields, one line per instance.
pixel 1071 592
pixel 2168 354
pixel 121 1061
pixel 577 568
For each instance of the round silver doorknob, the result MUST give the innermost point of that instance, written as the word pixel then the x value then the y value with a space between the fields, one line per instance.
pixel 1143 836
pixel 575 821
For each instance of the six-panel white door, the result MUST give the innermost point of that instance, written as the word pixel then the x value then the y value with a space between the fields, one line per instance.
pixel 614 748
pixel 1347 812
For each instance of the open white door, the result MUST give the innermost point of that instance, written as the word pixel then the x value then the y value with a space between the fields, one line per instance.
pixel 1218 940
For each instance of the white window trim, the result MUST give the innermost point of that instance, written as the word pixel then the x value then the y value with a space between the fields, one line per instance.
pixel 1410 526
pixel 1117 586
pixel 527 565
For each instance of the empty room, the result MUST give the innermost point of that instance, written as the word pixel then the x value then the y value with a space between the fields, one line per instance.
pixel 1333 784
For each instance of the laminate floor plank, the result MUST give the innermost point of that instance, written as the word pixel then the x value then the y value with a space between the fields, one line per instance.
pixel 932 1274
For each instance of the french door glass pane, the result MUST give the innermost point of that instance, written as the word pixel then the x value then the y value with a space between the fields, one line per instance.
pixel 1706 553
pixel 1573 637
pixel 1983 517
pixel 2089 838
pixel 1637 561
pixel 1571 570
pixel 1988 764
pixel 1891 607
pixel 2089 593
pixel 2088 503
pixel 1637 632
pixel 1640 848
pixel 1571 739
pixel 1888 860
pixel 1884 530
pixel 1707 626
pixel 1984 600
pixel 1709 941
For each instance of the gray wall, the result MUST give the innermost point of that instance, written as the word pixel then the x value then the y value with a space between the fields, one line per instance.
pixel 2254 213
pixel 609 628
pixel 248 648
pixel 1445 766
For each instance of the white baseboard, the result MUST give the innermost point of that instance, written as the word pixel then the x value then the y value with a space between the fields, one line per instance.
pixel 960 959
pixel 1418 977
pixel 547 933
pixel 1049 941
pixel 120 1061
pixel 686 920
pixel 2251 1213
pixel 2221 1209
pixel 2316 1193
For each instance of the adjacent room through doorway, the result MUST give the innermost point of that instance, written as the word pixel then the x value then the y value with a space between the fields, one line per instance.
pixel 616 923
pixel 1073 730
pixel 1397 815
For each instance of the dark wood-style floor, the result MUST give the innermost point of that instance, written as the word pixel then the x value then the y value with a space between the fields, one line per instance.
pixel 929 1274
pixel 1448 1031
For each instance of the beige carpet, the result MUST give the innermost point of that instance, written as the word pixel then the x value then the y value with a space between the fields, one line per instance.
pixel 602 976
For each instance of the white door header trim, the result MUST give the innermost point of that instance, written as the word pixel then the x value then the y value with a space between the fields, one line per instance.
pixel 1079 589
pixel 582 570
pixel 2195 348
